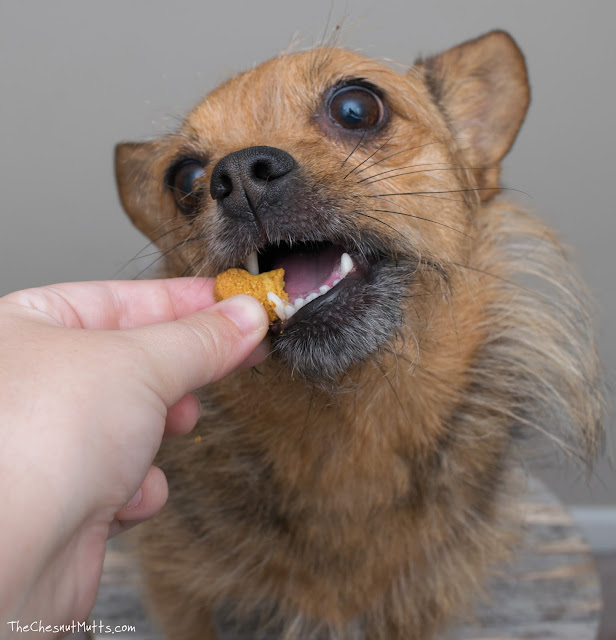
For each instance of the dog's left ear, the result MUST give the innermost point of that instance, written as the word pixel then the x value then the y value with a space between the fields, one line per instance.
pixel 139 168
pixel 482 89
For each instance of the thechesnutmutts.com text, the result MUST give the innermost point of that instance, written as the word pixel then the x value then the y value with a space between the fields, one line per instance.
pixel 94 626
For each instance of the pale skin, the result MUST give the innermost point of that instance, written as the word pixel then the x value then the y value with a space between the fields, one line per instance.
pixel 92 377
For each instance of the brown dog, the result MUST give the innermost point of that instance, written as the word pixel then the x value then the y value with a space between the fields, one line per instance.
pixel 358 484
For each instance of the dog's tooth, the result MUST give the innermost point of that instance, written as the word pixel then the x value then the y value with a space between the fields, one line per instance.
pixel 311 297
pixel 324 289
pixel 289 310
pixel 346 264
pixel 251 263
pixel 337 281
pixel 274 299
pixel 278 304
pixel 299 303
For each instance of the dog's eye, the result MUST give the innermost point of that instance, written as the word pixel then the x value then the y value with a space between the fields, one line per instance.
pixel 184 181
pixel 355 107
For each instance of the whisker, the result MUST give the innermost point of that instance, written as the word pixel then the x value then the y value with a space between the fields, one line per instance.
pixel 395 393
pixel 393 155
pixel 493 275
pixel 326 29
pixel 371 179
pixel 193 265
pixel 370 156
pixel 366 215
pixel 141 255
pixel 311 404
pixel 421 193
pixel 167 232
pixel 168 251
pixel 149 255
pixel 363 135
pixel 410 166
pixel 160 257
pixel 410 215
pixel 197 192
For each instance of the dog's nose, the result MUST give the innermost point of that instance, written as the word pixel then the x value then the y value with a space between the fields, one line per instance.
pixel 247 174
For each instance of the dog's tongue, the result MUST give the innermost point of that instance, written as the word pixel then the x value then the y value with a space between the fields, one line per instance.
pixel 305 271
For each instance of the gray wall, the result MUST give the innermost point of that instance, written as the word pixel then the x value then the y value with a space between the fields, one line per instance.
pixel 78 76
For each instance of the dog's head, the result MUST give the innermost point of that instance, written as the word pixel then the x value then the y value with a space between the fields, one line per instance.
pixel 358 180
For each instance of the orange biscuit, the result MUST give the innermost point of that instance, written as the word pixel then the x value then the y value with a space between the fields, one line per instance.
pixel 234 281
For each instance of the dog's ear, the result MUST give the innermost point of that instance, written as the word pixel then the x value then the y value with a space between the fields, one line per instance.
pixel 140 169
pixel 481 86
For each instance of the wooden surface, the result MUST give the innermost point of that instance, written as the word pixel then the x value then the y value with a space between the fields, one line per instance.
pixel 550 591
pixel 606 564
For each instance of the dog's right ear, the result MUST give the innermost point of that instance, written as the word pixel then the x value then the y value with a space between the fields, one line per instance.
pixel 481 87
pixel 139 170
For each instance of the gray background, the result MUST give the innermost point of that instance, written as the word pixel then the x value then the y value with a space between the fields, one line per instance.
pixel 78 76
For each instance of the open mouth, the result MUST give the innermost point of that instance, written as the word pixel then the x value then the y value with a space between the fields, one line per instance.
pixel 346 302
pixel 315 273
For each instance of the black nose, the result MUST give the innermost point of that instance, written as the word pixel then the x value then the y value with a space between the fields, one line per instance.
pixel 241 178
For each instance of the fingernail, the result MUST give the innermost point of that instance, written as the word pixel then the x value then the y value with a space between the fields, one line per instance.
pixel 135 500
pixel 247 313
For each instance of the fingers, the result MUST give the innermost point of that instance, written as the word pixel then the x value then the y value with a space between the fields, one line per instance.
pixel 184 340
pixel 183 415
pixel 145 504
pixel 188 354
pixel 117 304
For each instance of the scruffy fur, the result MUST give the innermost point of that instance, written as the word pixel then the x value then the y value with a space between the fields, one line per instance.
pixel 358 484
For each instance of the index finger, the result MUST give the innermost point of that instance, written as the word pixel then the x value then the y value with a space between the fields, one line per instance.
pixel 117 304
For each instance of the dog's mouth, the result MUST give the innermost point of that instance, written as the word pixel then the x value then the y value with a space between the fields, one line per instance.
pixel 315 274
pixel 346 301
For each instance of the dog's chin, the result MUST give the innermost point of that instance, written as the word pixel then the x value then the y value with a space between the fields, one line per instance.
pixel 347 325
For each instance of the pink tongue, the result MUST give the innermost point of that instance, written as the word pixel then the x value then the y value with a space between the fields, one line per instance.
pixel 306 272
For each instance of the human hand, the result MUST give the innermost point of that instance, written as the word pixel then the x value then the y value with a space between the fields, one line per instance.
pixel 92 375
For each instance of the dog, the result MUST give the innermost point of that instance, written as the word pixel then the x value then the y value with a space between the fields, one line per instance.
pixel 360 483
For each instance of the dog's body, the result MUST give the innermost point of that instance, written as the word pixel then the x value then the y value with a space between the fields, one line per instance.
pixel 358 484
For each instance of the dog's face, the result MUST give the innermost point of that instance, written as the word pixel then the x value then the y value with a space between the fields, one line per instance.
pixel 323 153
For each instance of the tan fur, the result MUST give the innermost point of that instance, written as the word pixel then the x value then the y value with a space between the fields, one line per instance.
pixel 373 509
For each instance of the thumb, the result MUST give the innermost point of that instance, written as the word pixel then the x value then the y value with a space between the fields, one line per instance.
pixel 191 352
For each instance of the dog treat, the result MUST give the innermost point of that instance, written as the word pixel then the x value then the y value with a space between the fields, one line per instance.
pixel 234 281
